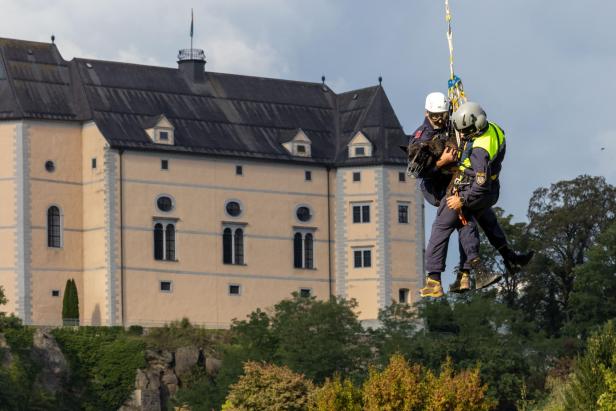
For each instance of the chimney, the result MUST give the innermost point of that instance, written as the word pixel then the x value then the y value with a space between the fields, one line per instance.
pixel 191 63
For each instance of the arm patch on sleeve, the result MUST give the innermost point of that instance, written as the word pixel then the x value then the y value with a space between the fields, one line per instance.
pixel 480 178
pixel 418 133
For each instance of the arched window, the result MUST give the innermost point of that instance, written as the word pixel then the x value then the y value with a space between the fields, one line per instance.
pixel 239 246
pixel 170 242
pixel 227 246
pixel 308 254
pixel 158 242
pixel 303 249
pixel 54 227
pixel 297 250
pixel 233 245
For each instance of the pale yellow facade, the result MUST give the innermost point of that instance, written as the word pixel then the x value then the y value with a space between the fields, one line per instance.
pixel 108 214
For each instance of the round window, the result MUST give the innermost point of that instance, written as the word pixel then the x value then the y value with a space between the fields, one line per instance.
pixel 164 203
pixel 233 208
pixel 303 214
pixel 50 166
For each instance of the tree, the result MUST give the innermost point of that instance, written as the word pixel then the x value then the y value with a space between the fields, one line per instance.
pixel 518 240
pixel 564 222
pixel 70 303
pixel 337 394
pixel 593 300
pixel 269 387
pixel 588 382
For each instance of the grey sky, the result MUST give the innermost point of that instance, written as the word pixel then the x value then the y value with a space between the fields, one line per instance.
pixel 544 70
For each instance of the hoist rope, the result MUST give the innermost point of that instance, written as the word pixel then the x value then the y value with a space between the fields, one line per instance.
pixel 455 89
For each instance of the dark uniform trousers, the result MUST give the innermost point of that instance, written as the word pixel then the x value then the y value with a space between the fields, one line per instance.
pixel 479 213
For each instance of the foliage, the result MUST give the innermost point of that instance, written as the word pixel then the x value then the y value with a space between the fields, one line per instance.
pixel 7 321
pixel 588 382
pixel 316 338
pixel 269 387
pixel 402 386
pixel 593 300
pixel 337 394
pixel 70 301
pixel 398 387
pixel 198 392
pixel 607 400
pixel 182 333
pixel 564 222
pixel 103 363
pixel 399 323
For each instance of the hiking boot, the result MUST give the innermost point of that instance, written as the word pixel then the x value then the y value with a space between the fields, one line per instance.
pixel 483 277
pixel 514 262
pixel 432 289
pixel 462 283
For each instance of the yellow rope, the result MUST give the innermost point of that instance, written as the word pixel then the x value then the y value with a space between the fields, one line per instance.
pixel 456 89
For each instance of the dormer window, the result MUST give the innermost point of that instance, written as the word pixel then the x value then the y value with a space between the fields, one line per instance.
pixel 299 145
pixel 160 130
pixel 360 146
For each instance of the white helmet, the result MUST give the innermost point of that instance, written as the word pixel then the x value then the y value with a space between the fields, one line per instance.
pixel 437 103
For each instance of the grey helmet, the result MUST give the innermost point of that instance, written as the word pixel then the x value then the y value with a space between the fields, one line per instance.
pixel 470 118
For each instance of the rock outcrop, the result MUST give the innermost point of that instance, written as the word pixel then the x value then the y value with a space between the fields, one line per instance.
pixel 54 367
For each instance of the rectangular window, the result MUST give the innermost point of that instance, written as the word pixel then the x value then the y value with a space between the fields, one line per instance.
pixel 165 286
pixel 55 293
pixel 163 135
pixel 301 149
pixel 361 213
pixel 362 258
pixel 234 289
pixel 402 176
pixel 308 175
pixel 403 295
pixel 357 259
pixel 233 245
pixel 305 292
pixel 403 213
pixel 239 170
pixel 360 151
pixel 357 176
pixel 164 164
pixel 94 162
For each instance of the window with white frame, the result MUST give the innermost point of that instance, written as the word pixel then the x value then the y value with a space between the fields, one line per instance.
pixel 361 213
pixel 362 258
pixel 164 240
pixel 403 213
pixel 403 295
pixel 235 289
pixel 233 245
pixel 165 286
pixel 54 227
pixel 303 249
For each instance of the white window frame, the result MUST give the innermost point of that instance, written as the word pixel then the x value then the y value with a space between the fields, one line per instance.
pixel 363 262
pixel 297 207
pixel 239 289
pixel 408 208
pixel 361 212
pixel 61 226
pixel 165 222
pixel 303 231
pixel 235 226
pixel 160 288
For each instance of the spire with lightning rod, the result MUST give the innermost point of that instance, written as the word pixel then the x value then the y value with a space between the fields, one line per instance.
pixel 192 28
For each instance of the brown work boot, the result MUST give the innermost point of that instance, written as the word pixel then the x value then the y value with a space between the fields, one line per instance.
pixel 432 289
pixel 514 262
pixel 462 283
pixel 483 277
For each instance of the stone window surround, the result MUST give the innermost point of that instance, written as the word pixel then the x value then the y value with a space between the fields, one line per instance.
pixel 160 286
pixel 303 231
pixel 61 246
pixel 164 195
pixel 165 221
pixel 233 225
pixel 362 250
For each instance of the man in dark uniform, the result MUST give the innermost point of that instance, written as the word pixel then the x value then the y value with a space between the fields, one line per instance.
pixel 434 184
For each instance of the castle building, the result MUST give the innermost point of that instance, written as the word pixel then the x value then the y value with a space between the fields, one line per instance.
pixel 179 192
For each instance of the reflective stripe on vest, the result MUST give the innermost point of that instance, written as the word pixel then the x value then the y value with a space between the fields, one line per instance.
pixel 491 141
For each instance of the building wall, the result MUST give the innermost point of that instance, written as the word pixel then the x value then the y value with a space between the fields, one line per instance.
pixel 51 267
pixel 8 215
pixel 95 267
pixel 269 195
pixel 121 191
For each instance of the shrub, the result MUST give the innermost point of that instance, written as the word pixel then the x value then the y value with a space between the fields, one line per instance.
pixel 337 394
pixel 269 387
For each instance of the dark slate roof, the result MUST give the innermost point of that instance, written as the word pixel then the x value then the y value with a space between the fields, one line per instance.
pixel 223 114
